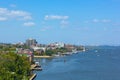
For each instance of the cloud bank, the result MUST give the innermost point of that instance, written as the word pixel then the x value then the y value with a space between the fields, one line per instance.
pixel 101 21
pixel 14 14
pixel 29 24
pixel 55 17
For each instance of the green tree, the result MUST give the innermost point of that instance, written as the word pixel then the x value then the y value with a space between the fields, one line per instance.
pixel 50 52
pixel 14 67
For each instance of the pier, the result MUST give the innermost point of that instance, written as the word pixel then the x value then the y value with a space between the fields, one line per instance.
pixel 33 76
pixel 36 67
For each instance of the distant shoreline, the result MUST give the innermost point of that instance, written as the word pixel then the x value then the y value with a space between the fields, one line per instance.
pixel 42 56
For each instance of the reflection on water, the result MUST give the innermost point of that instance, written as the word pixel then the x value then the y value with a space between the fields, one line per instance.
pixel 90 65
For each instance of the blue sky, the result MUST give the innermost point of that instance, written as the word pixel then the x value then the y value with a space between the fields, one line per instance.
pixel 86 22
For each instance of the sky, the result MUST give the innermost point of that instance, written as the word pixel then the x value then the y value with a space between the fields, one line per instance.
pixel 81 22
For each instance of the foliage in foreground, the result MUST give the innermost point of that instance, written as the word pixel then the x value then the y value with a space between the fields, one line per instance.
pixel 14 67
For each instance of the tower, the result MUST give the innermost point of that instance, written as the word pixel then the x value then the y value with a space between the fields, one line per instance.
pixel 30 42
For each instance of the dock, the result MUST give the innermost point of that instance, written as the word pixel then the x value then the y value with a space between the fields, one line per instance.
pixel 33 76
pixel 36 67
pixel 33 66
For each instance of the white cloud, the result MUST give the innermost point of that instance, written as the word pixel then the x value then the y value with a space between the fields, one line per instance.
pixel 15 14
pixel 64 23
pixel 106 20
pixel 18 13
pixel 55 17
pixel 45 28
pixel 3 18
pixel 95 20
pixel 3 11
pixel 27 18
pixel 29 24
pixel 63 20
pixel 100 21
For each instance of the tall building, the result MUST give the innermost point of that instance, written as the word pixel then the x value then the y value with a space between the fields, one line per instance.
pixel 30 42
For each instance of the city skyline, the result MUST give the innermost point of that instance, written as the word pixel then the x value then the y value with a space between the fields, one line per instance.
pixel 69 21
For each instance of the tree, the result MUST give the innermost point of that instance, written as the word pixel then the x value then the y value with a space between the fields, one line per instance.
pixel 50 52
pixel 14 67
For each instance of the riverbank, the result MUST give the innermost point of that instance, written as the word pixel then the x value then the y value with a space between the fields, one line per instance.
pixel 56 55
pixel 42 56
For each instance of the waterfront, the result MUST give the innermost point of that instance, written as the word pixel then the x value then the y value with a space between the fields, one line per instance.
pixel 98 63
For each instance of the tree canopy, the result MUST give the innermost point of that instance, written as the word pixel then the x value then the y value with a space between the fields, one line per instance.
pixel 14 67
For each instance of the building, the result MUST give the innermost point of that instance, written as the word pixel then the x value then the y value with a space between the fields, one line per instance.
pixel 56 45
pixel 59 44
pixel 70 47
pixel 35 48
pixel 30 42
pixel 26 52
pixel 38 50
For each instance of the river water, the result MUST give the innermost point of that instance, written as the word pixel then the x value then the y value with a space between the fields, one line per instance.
pixel 97 63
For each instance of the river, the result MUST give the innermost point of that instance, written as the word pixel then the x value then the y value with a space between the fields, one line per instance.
pixel 97 63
